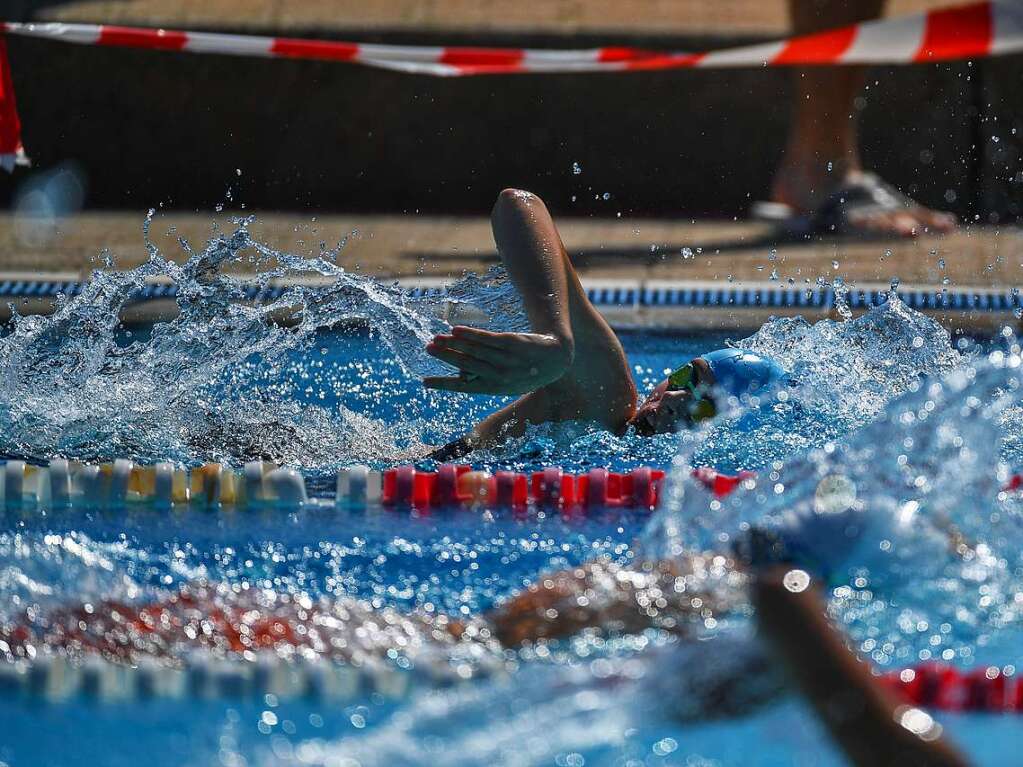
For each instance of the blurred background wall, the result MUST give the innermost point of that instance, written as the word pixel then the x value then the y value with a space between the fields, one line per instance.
pixel 149 127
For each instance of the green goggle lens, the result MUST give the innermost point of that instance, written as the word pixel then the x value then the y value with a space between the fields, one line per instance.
pixel 682 379
pixel 703 409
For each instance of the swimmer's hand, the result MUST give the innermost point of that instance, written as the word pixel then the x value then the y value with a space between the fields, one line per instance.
pixel 499 363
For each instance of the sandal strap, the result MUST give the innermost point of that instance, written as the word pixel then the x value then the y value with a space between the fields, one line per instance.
pixel 868 193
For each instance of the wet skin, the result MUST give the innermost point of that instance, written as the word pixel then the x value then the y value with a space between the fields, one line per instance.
pixel 571 366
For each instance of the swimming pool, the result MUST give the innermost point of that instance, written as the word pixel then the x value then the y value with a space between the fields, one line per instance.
pixel 220 383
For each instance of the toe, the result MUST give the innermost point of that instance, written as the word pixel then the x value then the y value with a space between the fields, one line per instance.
pixel 885 222
pixel 938 220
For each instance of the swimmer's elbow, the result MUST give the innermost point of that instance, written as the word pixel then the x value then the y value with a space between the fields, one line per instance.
pixel 513 202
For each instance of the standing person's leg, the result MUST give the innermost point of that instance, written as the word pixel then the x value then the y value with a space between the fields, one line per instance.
pixel 822 154
pixel 571 367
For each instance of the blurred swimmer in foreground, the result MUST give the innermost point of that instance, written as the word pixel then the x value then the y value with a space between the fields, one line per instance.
pixel 799 649
pixel 572 367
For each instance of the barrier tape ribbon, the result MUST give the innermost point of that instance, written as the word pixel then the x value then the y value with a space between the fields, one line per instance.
pixel 982 29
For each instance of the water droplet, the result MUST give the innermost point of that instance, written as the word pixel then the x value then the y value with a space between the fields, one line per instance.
pixel 796 580
pixel 576 169
pixel 841 298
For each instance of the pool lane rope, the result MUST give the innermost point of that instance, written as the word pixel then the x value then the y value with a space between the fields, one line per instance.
pixel 122 483
pixel 55 677
pixel 976 30
pixel 663 296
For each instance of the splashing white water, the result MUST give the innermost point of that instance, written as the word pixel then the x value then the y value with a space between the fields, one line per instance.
pixel 72 386
pixel 938 540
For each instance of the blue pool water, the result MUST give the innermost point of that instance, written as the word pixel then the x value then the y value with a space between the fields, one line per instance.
pixel 886 402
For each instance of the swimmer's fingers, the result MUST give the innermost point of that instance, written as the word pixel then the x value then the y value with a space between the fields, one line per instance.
pixel 457 383
pixel 467 362
pixel 483 337
pixel 496 357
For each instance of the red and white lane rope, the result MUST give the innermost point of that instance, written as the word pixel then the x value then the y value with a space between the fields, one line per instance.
pixel 977 30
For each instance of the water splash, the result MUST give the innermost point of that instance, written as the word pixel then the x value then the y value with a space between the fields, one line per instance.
pixel 939 539
pixel 226 380
pixel 76 385
pixel 841 376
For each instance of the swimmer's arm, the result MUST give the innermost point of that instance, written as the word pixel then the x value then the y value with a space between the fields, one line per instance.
pixel 572 364
pixel 517 363
pixel 598 595
pixel 510 421
pixel 862 717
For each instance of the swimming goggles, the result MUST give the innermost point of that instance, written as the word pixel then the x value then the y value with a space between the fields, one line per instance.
pixel 684 378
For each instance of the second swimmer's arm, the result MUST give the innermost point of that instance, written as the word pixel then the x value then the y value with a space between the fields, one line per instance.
pixel 604 596
pixel 862 717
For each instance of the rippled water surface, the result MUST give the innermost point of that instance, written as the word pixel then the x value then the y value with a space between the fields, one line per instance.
pixel 917 432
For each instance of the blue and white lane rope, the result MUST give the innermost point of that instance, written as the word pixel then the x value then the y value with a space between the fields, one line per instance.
pixel 663 296
pixel 55 677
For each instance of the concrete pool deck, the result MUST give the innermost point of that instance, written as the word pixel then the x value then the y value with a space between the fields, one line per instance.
pixel 608 252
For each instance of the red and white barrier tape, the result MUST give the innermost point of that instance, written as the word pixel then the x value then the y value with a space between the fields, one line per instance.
pixel 979 29
pixel 976 30
pixel 11 150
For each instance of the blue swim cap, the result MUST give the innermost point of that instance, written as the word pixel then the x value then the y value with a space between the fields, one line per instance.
pixel 739 371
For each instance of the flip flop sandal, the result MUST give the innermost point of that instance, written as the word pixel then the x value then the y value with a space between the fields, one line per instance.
pixel 867 194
